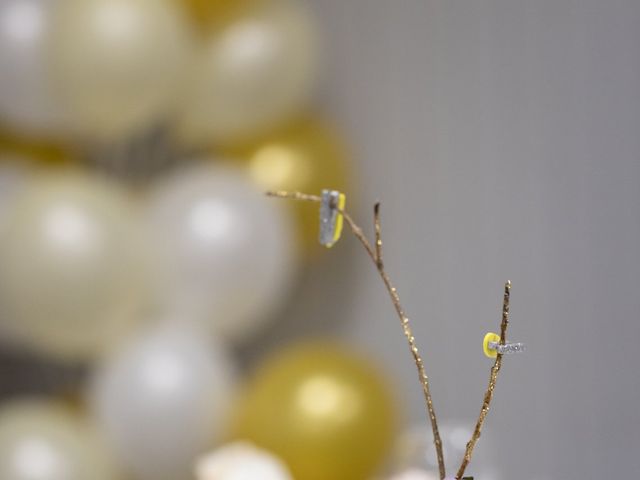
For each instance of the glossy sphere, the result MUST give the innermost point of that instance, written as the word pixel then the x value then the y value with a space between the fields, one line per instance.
pixel 307 157
pixel 40 441
pixel 324 411
pixel 162 400
pixel 27 98
pixel 254 72
pixel 33 150
pixel 71 266
pixel 209 13
pixel 241 461
pixel 118 63
pixel 226 250
pixel 13 177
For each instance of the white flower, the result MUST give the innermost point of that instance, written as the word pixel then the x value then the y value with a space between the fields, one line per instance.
pixel 241 461
pixel 414 474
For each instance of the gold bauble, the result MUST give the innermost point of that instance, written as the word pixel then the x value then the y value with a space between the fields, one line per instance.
pixel 208 14
pixel 306 156
pixel 324 410
pixel 41 151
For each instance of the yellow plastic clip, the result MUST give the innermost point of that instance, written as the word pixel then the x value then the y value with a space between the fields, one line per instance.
pixel 488 344
pixel 342 201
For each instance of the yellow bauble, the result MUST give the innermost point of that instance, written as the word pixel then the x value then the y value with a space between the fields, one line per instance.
pixel 209 13
pixel 325 411
pixel 42 151
pixel 307 156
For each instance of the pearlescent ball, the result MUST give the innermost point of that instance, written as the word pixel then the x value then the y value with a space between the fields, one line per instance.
pixel 241 461
pixel 163 399
pixel 306 156
pixel 227 251
pixel 28 102
pixel 252 73
pixel 42 441
pixel 73 270
pixel 117 64
pixel 13 177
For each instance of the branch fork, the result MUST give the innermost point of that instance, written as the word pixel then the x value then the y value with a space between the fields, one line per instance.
pixel 375 253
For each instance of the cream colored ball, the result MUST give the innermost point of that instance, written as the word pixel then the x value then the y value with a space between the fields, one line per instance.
pixel 226 253
pixel 253 73
pixel 72 267
pixel 163 399
pixel 118 64
pixel 241 461
pixel 42 441
pixel 27 100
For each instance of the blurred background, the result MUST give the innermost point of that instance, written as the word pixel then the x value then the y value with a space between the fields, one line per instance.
pixel 160 318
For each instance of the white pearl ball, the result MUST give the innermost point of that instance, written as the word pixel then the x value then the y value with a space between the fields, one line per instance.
pixel 118 63
pixel 40 441
pixel 255 72
pixel 241 461
pixel 27 98
pixel 162 399
pixel 13 177
pixel 227 250
pixel 72 268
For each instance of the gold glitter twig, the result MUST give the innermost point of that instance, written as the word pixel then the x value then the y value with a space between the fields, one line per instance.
pixel 376 255
pixel 495 370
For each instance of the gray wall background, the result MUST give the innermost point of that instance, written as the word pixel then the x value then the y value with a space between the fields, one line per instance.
pixel 503 138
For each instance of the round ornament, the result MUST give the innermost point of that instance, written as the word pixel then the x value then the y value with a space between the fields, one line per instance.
pixel 324 410
pixel 252 73
pixel 226 251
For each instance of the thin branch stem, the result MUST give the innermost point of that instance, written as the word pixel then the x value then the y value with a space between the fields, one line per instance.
pixel 488 396
pixel 375 253
pixel 378 233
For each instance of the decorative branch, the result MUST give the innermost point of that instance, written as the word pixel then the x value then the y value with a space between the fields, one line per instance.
pixel 376 256
pixel 375 253
pixel 488 396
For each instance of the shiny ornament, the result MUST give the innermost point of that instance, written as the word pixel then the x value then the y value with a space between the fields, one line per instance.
pixel 208 14
pixel 324 410
pixel 28 102
pixel 307 157
pixel 13 177
pixel 117 64
pixel 162 399
pixel 253 73
pixel 226 250
pixel 241 461
pixel 33 150
pixel 42 441
pixel 72 267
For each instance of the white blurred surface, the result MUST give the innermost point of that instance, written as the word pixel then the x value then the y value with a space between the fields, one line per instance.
pixel 502 138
